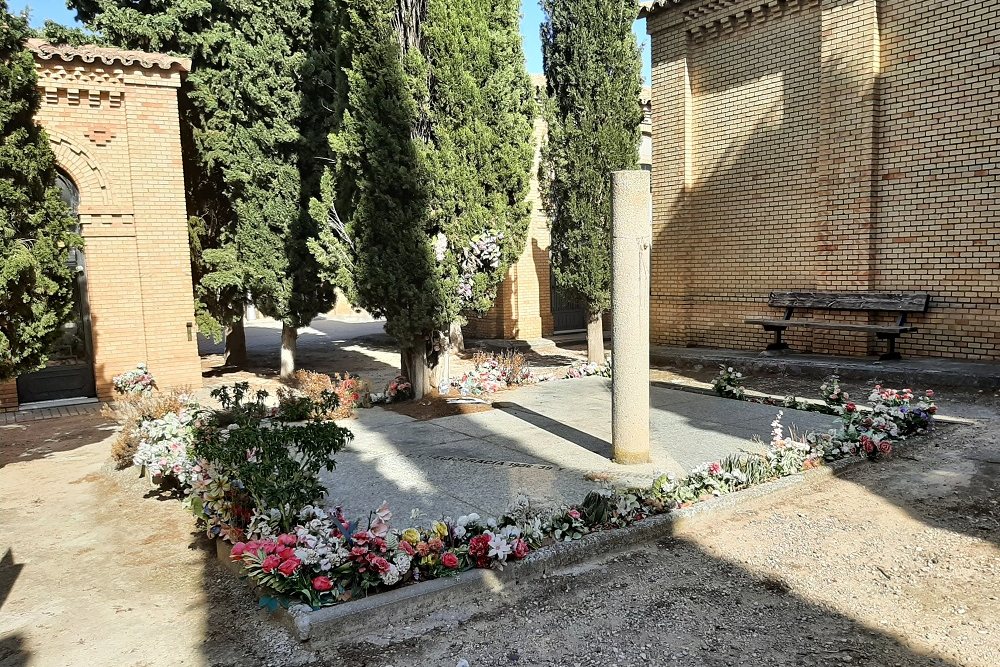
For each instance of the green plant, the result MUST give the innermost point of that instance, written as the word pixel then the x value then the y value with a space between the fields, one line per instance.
pixel 593 80
pixel 729 383
pixel 276 464
pixel 36 226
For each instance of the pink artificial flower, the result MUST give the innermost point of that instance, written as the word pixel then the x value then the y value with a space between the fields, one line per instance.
pixel 380 564
pixel 868 445
pixel 715 468
pixel 238 549
pixel 287 540
pixel 284 553
pixel 449 560
pixel 407 547
pixel 574 513
pixel 322 584
pixel 270 563
pixel 520 549
pixel 359 552
pixel 289 567
pixel 435 544
pixel 269 546
pixel 361 539
pixel 885 447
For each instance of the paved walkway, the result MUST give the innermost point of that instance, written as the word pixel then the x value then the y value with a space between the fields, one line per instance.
pixel 548 441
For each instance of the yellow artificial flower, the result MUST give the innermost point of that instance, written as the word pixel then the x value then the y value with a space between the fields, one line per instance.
pixel 441 529
pixel 411 535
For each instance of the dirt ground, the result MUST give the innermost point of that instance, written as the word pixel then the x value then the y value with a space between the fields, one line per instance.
pixel 896 563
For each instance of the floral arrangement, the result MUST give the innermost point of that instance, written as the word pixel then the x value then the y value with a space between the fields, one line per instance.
pixel 350 390
pixel 399 389
pixel 582 369
pixel 729 383
pixel 165 446
pixel 495 371
pixel 325 559
pixel 481 255
pixel 832 394
pixel 136 381
pixel 894 415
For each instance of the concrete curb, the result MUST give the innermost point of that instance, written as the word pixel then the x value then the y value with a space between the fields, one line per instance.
pixel 916 372
pixel 331 625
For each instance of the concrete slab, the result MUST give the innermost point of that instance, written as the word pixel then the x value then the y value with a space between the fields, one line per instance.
pixel 545 441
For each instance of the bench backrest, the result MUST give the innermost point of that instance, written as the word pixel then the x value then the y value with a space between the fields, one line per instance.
pixel 899 302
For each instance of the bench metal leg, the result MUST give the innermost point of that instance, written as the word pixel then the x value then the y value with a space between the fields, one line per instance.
pixel 891 354
pixel 778 344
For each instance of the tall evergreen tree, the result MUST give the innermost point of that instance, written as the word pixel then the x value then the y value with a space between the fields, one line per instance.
pixel 257 116
pixel 592 69
pixel 36 226
pixel 434 156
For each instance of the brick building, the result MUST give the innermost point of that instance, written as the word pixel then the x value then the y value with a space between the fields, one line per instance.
pixel 112 120
pixel 528 306
pixel 827 145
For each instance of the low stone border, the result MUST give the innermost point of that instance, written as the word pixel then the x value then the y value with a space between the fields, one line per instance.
pixel 331 625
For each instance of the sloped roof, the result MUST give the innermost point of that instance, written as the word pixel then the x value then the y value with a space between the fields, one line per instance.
pixel 107 55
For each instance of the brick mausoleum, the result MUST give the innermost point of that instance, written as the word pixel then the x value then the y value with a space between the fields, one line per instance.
pixel 112 120
pixel 825 145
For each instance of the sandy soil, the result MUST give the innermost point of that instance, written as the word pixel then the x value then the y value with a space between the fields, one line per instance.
pixel 891 564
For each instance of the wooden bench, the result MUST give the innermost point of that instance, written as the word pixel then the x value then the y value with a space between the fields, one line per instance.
pixel 901 303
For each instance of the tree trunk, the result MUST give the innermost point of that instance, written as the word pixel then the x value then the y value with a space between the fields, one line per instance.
pixel 595 338
pixel 456 338
pixel 236 344
pixel 421 367
pixel 289 339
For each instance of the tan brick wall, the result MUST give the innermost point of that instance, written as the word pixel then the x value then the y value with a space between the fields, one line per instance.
pixel 811 145
pixel 115 132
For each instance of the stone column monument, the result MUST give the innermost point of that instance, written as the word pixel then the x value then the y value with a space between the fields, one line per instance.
pixel 631 240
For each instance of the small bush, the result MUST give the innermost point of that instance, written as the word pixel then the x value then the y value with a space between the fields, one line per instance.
pixel 350 390
pixel 130 410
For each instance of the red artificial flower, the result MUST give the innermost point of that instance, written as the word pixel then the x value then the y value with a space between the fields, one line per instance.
pixel 287 540
pixel 238 549
pixel 868 445
pixel 435 544
pixel 449 560
pixel 407 547
pixel 885 447
pixel 269 546
pixel 358 552
pixel 850 407
pixel 932 410
pixel 284 553
pixel 270 564
pixel 423 548
pixel 520 549
pixel 322 584
pixel 289 567
pixel 361 538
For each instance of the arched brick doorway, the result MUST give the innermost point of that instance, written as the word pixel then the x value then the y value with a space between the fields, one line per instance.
pixel 69 373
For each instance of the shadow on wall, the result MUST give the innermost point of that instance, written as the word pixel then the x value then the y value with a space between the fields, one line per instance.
pixel 752 216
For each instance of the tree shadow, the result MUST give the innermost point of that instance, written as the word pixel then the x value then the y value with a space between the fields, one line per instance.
pixel 41 438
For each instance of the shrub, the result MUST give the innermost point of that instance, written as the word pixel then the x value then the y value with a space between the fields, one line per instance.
pixel 276 465
pixel 165 446
pixel 495 371
pixel 130 410
pixel 350 390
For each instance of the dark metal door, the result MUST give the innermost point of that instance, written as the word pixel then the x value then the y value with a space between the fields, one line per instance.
pixel 69 372
pixel 566 315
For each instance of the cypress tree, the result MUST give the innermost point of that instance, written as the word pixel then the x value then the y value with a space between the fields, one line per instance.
pixel 256 118
pixel 36 226
pixel 592 69
pixel 434 157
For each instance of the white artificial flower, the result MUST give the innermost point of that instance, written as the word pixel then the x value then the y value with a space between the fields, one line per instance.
pixel 391 577
pixel 499 547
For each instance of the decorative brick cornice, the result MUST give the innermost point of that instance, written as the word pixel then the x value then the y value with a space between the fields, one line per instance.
pixel 107 55
pixel 711 19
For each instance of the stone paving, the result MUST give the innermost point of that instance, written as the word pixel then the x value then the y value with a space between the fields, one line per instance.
pixel 548 441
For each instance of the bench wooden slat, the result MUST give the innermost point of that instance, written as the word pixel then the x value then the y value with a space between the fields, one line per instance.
pixel 899 302
pixel 819 324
